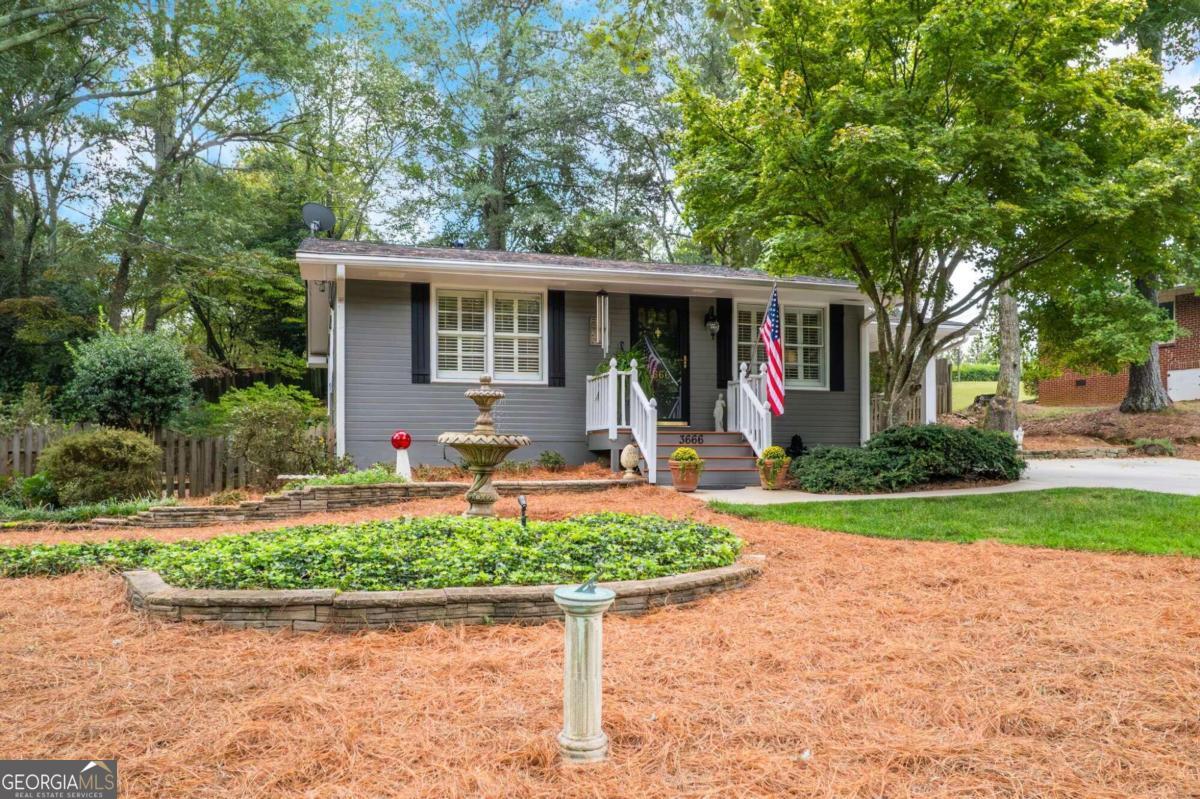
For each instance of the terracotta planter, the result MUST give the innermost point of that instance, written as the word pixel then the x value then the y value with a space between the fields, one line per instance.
pixel 773 475
pixel 685 479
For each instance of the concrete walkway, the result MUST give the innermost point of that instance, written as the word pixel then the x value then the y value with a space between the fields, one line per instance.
pixel 1168 475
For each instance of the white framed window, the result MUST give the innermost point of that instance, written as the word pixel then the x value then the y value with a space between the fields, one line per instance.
pixel 804 350
pixel 517 336
pixel 500 333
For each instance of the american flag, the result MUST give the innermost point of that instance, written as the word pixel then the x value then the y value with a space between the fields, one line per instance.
pixel 771 334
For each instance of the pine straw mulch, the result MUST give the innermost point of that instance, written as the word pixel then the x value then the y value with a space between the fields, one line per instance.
pixel 1180 423
pixel 903 668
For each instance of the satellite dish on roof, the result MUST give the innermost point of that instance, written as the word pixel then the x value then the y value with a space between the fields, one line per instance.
pixel 317 217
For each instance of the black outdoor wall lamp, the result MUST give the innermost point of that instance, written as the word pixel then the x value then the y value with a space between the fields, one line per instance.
pixel 710 322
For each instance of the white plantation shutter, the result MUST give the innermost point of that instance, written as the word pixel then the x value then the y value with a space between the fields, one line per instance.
pixel 803 343
pixel 517 336
pixel 461 340
pixel 511 348
pixel 812 347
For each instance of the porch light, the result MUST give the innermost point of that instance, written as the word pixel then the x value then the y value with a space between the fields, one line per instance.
pixel 711 322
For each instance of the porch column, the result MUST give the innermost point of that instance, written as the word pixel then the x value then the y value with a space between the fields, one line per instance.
pixel 929 392
pixel 864 379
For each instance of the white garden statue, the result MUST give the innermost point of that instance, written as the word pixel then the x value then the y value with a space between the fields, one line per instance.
pixel 719 414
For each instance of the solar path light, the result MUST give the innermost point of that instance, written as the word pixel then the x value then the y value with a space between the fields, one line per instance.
pixel 582 740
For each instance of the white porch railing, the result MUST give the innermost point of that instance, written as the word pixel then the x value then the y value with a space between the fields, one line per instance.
pixel 615 402
pixel 748 410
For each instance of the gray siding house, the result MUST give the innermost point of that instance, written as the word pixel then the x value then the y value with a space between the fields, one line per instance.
pixel 405 330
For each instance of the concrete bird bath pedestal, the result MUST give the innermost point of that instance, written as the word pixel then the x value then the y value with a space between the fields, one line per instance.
pixel 483 448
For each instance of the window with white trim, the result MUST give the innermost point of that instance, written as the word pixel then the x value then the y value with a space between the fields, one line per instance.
pixel 486 332
pixel 803 343
pixel 517 336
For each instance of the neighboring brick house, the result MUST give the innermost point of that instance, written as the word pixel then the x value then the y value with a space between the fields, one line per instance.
pixel 1180 361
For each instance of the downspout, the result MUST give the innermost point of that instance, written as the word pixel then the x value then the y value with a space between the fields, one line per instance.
pixel 864 379
pixel 339 339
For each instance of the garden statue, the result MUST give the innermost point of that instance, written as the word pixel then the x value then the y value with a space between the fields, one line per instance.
pixel 719 414
pixel 483 448
pixel 401 441
pixel 631 456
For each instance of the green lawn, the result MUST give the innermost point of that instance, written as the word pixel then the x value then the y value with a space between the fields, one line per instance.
pixel 963 393
pixel 1104 520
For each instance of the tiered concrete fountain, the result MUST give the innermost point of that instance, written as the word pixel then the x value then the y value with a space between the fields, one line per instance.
pixel 483 448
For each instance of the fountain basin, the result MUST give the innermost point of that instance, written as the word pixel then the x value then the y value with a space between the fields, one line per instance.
pixel 483 448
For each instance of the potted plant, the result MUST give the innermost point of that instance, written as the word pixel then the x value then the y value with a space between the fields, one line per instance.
pixel 773 468
pixel 686 467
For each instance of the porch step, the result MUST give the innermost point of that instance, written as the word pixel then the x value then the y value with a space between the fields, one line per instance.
pixel 728 457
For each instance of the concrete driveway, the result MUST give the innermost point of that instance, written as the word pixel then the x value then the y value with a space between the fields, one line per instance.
pixel 1168 475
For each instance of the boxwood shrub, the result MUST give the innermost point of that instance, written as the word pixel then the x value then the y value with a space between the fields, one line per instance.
pixel 430 552
pixel 908 456
pixel 101 465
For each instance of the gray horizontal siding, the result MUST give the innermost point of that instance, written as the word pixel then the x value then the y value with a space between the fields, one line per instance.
pixel 826 417
pixel 381 397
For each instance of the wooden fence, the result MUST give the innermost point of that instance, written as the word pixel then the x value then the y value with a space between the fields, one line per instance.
pixel 916 414
pixel 945 387
pixel 191 467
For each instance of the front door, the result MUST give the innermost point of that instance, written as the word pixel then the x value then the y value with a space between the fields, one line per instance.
pixel 660 331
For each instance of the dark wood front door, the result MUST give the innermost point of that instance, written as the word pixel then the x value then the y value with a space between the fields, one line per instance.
pixel 659 328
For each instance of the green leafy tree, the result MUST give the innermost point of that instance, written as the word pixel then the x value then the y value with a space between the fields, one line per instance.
pixel 219 73
pixel 896 143
pixel 362 126
pixel 130 380
pixel 509 148
pixel 1165 30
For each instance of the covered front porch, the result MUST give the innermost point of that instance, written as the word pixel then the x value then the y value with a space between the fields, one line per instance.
pixel 656 391
pixel 688 371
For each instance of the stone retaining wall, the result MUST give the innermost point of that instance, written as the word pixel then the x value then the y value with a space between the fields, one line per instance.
pixel 319 499
pixel 351 611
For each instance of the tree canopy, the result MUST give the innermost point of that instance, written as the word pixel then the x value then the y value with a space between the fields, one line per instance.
pixel 897 143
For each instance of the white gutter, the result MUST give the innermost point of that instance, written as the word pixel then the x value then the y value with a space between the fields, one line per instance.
pixel 566 272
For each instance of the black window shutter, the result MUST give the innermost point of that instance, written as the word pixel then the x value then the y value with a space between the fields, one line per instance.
pixel 837 348
pixel 724 342
pixel 420 332
pixel 557 345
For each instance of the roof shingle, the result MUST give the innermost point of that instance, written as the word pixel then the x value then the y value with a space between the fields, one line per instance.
pixel 483 257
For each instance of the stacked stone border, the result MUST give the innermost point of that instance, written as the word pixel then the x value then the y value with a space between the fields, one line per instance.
pixel 330 610
pixel 321 499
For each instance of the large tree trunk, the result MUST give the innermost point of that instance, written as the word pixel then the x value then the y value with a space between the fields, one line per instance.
pixel 1146 392
pixel 903 371
pixel 1002 413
